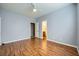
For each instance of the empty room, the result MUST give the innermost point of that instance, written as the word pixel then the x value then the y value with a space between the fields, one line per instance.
pixel 39 29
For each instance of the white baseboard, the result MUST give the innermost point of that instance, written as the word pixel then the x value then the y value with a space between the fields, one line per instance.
pixel 48 40
pixel 78 50
pixel 14 40
pixel 63 43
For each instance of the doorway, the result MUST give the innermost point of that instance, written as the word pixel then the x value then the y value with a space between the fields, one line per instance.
pixel 32 30
pixel 44 30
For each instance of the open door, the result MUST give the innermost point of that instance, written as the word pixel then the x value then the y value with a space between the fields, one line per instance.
pixel 44 30
pixel 32 30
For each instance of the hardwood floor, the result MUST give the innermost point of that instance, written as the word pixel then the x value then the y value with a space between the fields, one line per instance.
pixel 36 47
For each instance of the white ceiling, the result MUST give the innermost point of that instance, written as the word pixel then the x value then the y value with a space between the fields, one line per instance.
pixel 27 9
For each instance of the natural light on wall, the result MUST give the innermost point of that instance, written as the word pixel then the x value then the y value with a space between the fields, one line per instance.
pixel 44 28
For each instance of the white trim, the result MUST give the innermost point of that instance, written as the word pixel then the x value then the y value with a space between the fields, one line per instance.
pixel 63 43
pixel 0 43
pixel 48 40
pixel 78 50
pixel 14 40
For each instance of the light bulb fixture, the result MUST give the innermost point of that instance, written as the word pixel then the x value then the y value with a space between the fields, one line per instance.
pixel 34 7
pixel 34 10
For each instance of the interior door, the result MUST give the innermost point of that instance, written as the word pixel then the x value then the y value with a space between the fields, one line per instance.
pixel 32 30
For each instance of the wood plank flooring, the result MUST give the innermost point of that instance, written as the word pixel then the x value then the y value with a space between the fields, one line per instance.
pixel 36 47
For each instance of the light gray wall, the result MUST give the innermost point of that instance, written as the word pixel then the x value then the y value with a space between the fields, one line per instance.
pixel 0 28
pixel 78 26
pixel 61 25
pixel 14 26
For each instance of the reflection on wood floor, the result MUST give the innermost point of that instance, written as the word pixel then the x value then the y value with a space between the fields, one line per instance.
pixel 36 47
